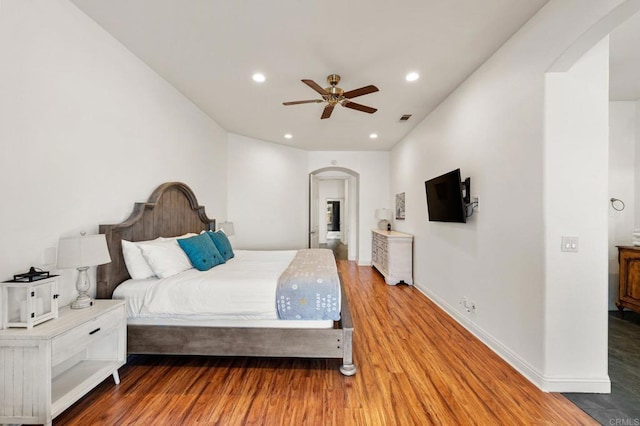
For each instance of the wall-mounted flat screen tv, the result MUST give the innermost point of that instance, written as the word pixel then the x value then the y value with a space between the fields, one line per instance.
pixel 445 199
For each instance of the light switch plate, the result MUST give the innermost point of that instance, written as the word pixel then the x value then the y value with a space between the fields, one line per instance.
pixel 569 244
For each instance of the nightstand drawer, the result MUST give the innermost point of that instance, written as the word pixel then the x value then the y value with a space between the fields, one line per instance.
pixel 83 336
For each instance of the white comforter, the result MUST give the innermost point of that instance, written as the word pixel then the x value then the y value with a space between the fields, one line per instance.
pixel 244 287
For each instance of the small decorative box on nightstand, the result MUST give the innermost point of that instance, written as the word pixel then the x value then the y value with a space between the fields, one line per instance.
pixel 29 303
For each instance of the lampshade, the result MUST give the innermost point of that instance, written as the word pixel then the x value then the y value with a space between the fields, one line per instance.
pixel 384 214
pixel 227 228
pixel 85 250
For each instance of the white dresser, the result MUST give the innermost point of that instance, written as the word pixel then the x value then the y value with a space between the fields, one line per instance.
pixel 45 369
pixel 392 255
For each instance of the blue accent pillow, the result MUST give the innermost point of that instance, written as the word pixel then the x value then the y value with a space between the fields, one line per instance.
pixel 222 243
pixel 201 251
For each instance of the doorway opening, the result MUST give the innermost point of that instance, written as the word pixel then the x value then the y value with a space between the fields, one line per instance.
pixel 334 219
pixel 333 211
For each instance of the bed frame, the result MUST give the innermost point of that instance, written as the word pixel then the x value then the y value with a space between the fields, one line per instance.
pixel 173 210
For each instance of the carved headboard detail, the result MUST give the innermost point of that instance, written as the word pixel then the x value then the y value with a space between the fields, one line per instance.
pixel 172 210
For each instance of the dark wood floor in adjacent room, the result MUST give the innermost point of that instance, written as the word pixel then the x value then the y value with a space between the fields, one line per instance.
pixel 622 405
pixel 415 366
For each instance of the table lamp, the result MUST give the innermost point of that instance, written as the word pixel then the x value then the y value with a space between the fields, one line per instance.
pixel 384 216
pixel 82 253
pixel 227 228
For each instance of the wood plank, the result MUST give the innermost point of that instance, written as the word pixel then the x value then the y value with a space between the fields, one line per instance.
pixel 235 341
pixel 415 366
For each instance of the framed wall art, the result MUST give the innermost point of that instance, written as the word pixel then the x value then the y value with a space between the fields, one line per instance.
pixel 400 206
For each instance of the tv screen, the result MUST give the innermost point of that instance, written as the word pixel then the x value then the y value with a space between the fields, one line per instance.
pixel 445 201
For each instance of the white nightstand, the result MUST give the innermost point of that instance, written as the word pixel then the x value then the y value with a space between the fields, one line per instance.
pixel 45 369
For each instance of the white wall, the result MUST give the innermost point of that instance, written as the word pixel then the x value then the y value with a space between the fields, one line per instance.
pixel 622 184
pixel 576 159
pixel 492 127
pixel 373 168
pixel 86 130
pixel 636 221
pixel 268 194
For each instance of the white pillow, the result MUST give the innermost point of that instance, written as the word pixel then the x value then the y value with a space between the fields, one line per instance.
pixel 165 258
pixel 187 235
pixel 137 265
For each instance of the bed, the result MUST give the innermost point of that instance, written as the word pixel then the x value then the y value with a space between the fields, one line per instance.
pixel 172 210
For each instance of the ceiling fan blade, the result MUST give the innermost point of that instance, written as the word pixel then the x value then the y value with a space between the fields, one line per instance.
pixel 313 101
pixel 315 86
pixel 361 91
pixel 359 107
pixel 326 113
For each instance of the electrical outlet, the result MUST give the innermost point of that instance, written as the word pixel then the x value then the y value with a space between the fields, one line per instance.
pixel 468 306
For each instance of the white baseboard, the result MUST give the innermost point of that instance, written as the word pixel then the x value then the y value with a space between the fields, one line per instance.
pixel 547 384
pixel 591 385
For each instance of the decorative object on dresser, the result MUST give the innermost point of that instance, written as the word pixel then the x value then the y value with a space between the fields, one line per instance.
pixel 81 253
pixel 392 256
pixel 45 369
pixel 629 281
pixel 31 302
pixel 384 216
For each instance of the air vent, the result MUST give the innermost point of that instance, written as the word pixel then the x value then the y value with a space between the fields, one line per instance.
pixel 405 117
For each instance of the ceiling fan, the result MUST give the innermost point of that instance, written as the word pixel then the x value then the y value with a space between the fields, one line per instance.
pixel 334 95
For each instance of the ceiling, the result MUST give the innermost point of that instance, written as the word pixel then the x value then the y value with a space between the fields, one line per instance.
pixel 209 51
pixel 624 63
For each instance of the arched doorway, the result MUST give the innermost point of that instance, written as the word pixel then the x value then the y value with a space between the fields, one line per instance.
pixel 348 198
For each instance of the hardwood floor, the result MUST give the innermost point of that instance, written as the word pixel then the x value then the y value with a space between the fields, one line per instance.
pixel 415 366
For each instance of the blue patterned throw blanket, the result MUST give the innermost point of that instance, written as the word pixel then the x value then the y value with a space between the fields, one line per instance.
pixel 309 289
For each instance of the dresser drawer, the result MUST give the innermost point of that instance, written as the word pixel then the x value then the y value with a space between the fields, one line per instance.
pixel 84 335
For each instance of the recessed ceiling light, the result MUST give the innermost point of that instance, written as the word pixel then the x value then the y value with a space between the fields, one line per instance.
pixel 258 77
pixel 288 135
pixel 373 136
pixel 412 76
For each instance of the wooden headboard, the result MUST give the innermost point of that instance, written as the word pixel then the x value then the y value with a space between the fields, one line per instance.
pixel 172 210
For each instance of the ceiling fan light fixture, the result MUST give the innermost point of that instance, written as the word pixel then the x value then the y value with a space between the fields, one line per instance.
pixel 258 77
pixel 334 95
pixel 412 76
